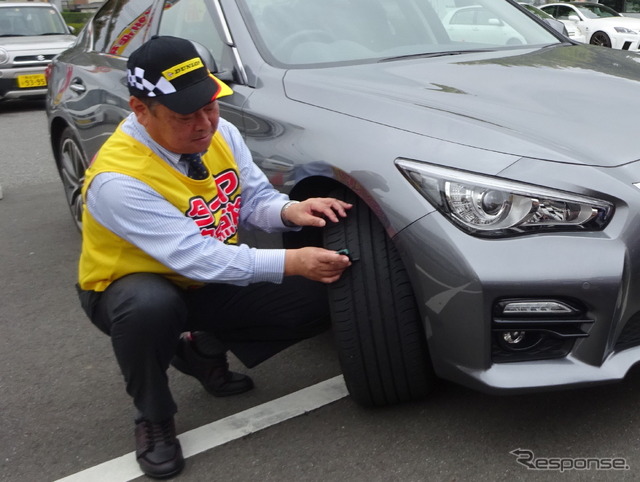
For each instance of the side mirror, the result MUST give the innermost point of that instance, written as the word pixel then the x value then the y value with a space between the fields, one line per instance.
pixel 210 62
pixel 557 25
pixel 72 29
pixel 206 55
pixel 574 18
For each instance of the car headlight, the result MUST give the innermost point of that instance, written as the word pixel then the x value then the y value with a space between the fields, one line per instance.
pixel 625 30
pixel 496 207
pixel 4 56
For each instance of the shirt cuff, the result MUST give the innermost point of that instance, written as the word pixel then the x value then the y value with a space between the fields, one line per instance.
pixel 287 223
pixel 269 265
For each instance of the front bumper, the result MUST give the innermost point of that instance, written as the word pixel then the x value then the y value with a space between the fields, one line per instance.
pixel 626 42
pixel 9 88
pixel 460 279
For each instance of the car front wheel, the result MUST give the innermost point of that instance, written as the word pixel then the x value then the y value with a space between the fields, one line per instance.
pixel 379 334
pixel 71 167
pixel 600 38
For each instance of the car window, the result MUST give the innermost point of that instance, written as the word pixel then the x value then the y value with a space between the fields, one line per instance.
pixel 464 17
pixel 304 32
pixel 127 34
pixel 123 32
pixel 562 12
pixel 474 16
pixel 193 20
pixel 597 11
pixel 30 21
pixel 535 10
pixel 101 23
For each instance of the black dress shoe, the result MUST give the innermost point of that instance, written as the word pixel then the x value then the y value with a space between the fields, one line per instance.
pixel 158 449
pixel 212 372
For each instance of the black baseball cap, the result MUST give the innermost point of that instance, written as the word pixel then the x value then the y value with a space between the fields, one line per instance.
pixel 170 70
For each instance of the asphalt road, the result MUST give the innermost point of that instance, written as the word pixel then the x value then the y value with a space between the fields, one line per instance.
pixel 63 408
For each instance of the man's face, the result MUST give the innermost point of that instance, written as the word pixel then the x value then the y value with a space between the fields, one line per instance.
pixel 182 134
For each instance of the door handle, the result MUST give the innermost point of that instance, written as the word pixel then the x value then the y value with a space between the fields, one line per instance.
pixel 78 87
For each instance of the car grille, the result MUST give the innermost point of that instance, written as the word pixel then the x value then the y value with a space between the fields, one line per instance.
pixel 27 60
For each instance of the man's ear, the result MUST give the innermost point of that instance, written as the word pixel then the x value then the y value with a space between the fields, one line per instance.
pixel 140 109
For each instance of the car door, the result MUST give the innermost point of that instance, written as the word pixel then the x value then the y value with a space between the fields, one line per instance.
pixel 563 13
pixel 96 97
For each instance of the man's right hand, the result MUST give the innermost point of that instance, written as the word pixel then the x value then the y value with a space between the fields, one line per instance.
pixel 317 264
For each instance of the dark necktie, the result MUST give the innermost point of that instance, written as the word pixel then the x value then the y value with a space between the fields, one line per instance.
pixel 197 169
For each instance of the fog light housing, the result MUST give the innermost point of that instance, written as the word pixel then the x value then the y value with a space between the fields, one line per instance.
pixel 536 328
pixel 518 340
pixel 513 337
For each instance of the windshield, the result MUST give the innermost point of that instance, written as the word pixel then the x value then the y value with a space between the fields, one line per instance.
pixel 24 21
pixel 596 11
pixel 303 32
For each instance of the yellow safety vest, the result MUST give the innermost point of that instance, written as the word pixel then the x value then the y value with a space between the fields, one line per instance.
pixel 213 204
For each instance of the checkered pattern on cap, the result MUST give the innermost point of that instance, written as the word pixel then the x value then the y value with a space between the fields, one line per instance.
pixel 138 80
pixel 171 71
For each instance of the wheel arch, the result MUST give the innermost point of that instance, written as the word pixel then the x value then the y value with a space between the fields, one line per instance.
pixel 322 186
pixel 56 127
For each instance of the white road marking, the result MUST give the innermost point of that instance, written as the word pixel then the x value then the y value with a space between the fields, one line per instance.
pixel 233 427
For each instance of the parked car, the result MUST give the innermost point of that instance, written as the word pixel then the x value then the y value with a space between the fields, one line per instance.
pixel 494 233
pixel 600 24
pixel 31 34
pixel 478 23
pixel 568 30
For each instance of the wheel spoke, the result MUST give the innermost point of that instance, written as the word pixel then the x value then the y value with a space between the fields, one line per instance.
pixel 71 168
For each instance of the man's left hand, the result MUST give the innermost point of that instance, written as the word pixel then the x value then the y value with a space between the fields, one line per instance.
pixel 315 211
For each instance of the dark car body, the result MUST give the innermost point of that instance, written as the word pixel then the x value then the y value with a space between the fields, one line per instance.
pixel 495 227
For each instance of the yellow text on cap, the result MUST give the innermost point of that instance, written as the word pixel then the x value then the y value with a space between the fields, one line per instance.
pixel 183 68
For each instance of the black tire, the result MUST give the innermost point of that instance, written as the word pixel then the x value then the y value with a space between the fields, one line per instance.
pixel 600 38
pixel 378 331
pixel 71 167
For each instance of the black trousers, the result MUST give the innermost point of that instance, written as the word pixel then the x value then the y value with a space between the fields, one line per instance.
pixel 145 314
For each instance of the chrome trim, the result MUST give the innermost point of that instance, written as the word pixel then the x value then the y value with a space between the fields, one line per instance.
pixel 229 40
pixel 223 21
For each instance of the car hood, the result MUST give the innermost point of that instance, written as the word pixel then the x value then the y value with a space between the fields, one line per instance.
pixel 33 43
pixel 573 103
pixel 629 22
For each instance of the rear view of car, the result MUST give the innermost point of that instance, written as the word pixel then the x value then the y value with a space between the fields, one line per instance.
pixel 31 35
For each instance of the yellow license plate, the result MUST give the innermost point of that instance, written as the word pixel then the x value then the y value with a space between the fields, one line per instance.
pixel 32 80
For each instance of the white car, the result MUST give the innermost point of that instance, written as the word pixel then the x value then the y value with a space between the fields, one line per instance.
pixel 480 25
pixel 598 23
pixel 570 28
pixel 31 35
